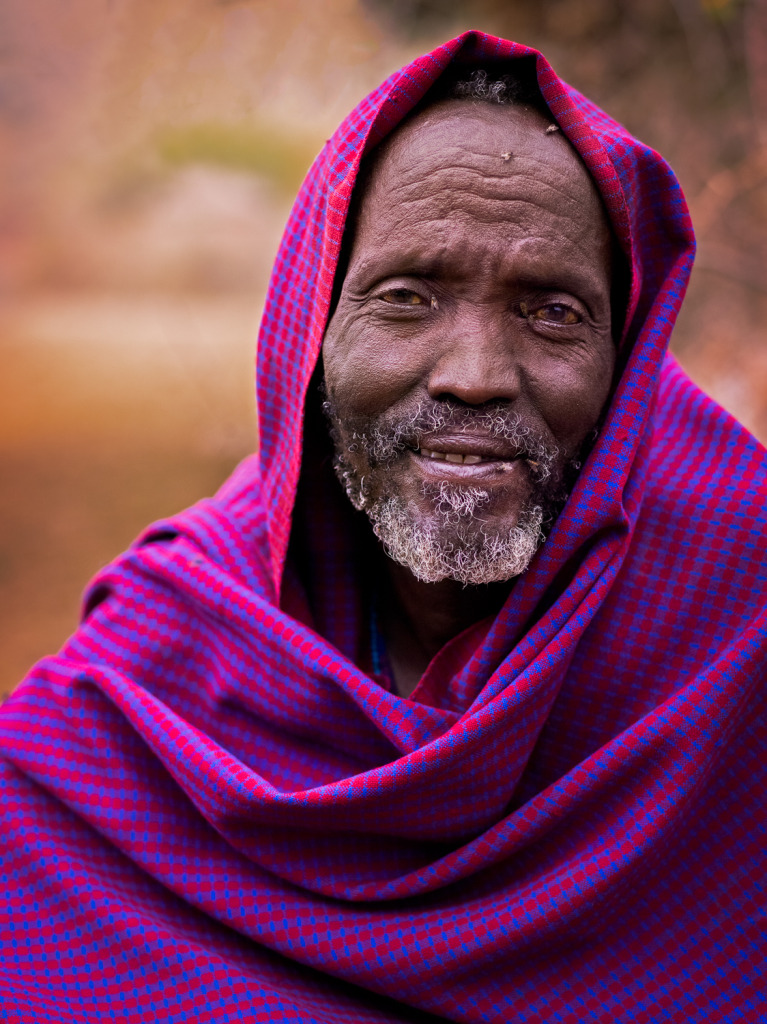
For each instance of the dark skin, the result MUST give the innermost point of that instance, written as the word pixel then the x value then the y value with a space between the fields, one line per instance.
pixel 475 276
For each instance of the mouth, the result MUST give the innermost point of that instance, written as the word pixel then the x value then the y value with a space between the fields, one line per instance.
pixel 469 450
pixel 458 458
pixel 470 459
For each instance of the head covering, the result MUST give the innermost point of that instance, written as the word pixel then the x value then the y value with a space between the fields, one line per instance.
pixel 211 810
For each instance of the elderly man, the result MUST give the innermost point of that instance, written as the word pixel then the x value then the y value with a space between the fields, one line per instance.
pixel 477 735
pixel 469 357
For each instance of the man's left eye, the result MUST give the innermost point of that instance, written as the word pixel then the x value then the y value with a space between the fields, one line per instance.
pixel 555 313
pixel 402 297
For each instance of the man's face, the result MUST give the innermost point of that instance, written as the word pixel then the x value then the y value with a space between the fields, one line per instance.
pixel 470 353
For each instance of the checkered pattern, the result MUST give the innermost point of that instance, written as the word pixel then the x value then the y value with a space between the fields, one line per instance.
pixel 211 812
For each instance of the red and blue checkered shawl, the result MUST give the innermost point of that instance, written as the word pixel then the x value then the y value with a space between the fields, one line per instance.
pixel 213 813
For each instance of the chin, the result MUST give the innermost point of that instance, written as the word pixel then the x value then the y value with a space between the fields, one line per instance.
pixel 453 541
pixel 474 532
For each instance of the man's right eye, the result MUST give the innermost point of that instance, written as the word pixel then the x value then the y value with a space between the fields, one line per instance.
pixel 402 297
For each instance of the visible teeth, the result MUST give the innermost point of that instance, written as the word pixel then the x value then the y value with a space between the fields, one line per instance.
pixel 456 457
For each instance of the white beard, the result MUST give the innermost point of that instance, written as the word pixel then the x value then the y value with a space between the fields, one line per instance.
pixel 449 540
pixel 450 544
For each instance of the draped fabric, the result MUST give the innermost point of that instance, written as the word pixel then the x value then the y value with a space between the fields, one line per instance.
pixel 213 812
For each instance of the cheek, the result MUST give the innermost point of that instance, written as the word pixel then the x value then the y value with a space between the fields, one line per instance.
pixel 366 369
pixel 571 397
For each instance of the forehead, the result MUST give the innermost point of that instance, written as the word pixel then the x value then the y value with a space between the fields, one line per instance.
pixel 479 128
pixel 495 169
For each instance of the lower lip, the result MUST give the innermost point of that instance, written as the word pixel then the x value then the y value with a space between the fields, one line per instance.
pixel 459 472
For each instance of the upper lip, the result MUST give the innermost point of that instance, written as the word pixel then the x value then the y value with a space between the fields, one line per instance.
pixel 471 444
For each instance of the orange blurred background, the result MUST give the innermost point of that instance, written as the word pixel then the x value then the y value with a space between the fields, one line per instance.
pixel 149 152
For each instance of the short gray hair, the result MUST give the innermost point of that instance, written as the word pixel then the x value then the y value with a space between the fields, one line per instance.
pixel 481 86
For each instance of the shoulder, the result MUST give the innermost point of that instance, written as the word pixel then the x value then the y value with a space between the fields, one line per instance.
pixel 703 461
pixel 702 529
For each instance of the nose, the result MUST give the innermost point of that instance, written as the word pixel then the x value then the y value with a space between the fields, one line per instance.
pixel 477 362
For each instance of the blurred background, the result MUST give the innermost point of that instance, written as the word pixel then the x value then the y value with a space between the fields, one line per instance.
pixel 149 152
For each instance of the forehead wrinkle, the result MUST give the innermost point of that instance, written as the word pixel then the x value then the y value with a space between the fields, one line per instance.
pixel 434 200
pixel 574 189
pixel 465 201
pixel 521 258
pixel 465 155
pixel 470 135
pixel 522 231
pixel 518 215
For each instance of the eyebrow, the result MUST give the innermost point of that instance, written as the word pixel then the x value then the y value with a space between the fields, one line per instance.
pixel 382 265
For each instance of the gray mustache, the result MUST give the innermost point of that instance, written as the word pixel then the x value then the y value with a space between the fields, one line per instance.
pixel 385 439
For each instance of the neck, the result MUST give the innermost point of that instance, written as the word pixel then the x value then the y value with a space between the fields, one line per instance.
pixel 418 619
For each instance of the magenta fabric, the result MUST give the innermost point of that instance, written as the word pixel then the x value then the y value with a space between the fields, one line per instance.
pixel 211 811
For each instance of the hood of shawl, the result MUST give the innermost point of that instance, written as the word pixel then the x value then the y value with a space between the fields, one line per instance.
pixel 650 222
